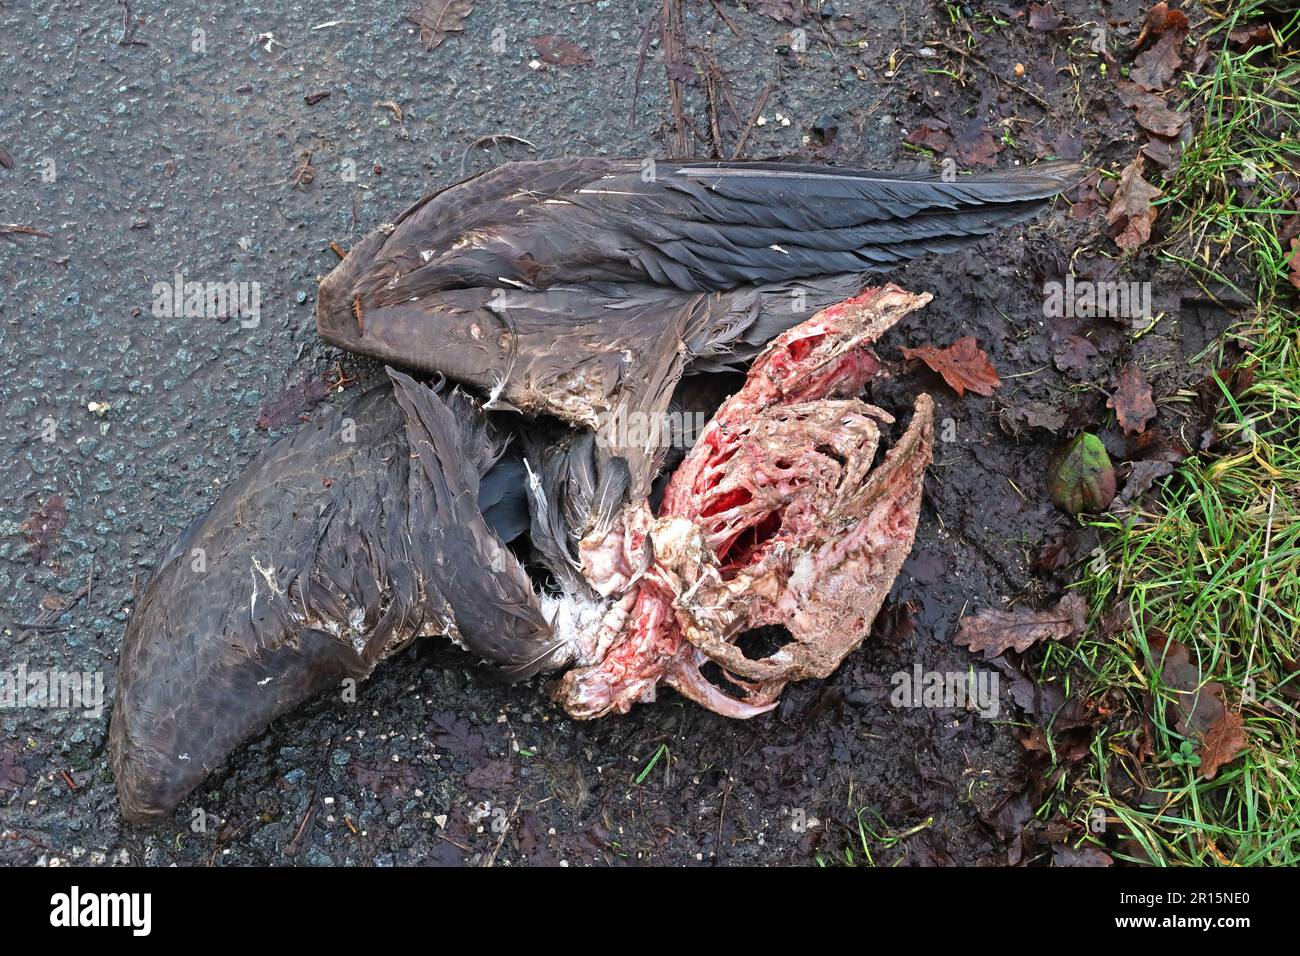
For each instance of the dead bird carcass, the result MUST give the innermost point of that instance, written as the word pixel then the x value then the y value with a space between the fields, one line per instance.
pixel 507 505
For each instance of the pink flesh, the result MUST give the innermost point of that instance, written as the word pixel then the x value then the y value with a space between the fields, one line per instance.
pixel 764 477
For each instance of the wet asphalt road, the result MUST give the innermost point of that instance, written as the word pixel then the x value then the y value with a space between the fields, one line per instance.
pixel 173 155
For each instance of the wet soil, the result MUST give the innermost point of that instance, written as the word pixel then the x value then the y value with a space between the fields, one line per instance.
pixel 168 158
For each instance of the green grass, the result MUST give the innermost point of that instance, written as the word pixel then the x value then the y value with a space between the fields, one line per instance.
pixel 871 832
pixel 1215 563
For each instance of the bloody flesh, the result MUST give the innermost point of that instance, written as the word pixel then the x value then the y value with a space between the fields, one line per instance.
pixel 774 518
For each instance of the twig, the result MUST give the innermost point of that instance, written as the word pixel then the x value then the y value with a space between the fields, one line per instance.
pixel 222 841
pixel 392 107
pixel 129 25
pixel 10 229
pixel 642 49
pixel 722 815
pixel 300 836
pixel 504 830
pixel 717 7
pixel 44 621
pixel 304 172
pixel 670 33
pixel 19 835
pixel 749 128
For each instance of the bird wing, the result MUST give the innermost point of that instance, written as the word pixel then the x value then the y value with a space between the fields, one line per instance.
pixel 339 544
pixel 694 226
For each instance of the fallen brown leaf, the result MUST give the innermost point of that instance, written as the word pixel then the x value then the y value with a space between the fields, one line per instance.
pixel 976 145
pixel 1293 263
pixel 931 134
pixel 1251 36
pixel 1059 552
pixel 12 773
pixel 561 52
pixel 1154 69
pixel 963 365
pixel 1042 18
pixel 491 775
pixel 43 526
pixel 1131 214
pixel 1158 20
pixel 1161 152
pixel 787 11
pixel 1221 742
pixel 1202 713
pixel 995 632
pixel 1151 112
pixel 1085 856
pixel 1085 201
pixel 437 18
pixel 1074 354
pixel 1035 415
pixel 1132 400
pixel 1143 475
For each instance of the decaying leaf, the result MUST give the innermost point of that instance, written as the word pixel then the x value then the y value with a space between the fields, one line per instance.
pixel 561 52
pixel 1132 400
pixel 787 11
pixel 1151 112
pixel 1073 354
pixel 1080 476
pixel 1143 475
pixel 43 526
pixel 1062 550
pixel 1131 215
pixel 1202 713
pixel 1154 69
pixel 1084 199
pixel 1084 856
pixel 931 134
pixel 456 735
pixel 963 365
pixel 976 146
pixel 1158 20
pixel 12 773
pixel 1051 418
pixel 491 775
pixel 1162 152
pixel 995 632
pixel 1042 18
pixel 1293 263
pixel 437 18
pixel 1250 36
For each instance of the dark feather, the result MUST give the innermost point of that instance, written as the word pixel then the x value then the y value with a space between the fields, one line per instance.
pixel 338 545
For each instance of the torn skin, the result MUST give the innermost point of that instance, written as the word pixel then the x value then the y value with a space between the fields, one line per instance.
pixel 775 517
